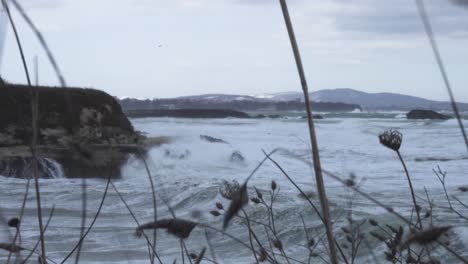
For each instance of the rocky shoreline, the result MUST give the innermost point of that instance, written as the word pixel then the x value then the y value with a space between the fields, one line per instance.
pixel 83 130
pixel 186 113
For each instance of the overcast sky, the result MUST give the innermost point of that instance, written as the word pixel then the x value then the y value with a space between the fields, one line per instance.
pixel 166 48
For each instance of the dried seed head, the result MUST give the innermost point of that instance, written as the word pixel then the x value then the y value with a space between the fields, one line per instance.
pixel 255 200
pixel 349 238
pixel 177 227
pixel 373 222
pixel 229 189
pixel 391 139
pixel 215 213
pixel 428 214
pixel 193 255
pixel 239 200
pixel 259 194
pixel 273 185
pixel 427 236
pixel 14 222
pixel 219 206
pixel 277 244
pixel 350 182
pixel 463 189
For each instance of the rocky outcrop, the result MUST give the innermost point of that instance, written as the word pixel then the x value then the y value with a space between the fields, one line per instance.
pixel 84 130
pixel 426 114
pixel 187 113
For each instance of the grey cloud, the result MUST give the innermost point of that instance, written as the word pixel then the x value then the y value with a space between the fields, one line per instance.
pixel 461 2
pixel 400 17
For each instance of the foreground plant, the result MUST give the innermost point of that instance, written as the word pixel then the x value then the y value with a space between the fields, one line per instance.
pixel 392 139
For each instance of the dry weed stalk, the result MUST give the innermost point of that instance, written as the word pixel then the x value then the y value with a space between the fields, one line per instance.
pixel 313 137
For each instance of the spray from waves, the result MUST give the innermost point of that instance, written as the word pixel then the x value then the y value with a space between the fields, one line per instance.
pixel 20 167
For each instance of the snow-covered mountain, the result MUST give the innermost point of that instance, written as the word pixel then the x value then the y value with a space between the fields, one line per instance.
pixel 371 101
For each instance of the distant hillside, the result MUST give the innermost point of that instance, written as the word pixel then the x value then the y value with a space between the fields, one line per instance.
pixel 233 102
pixel 369 101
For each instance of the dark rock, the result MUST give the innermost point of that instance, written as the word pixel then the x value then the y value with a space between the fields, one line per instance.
pixel 426 114
pixel 237 157
pixel 259 116
pixel 186 113
pixel 212 139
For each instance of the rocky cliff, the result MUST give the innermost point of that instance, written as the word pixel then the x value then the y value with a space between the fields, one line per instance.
pixel 84 130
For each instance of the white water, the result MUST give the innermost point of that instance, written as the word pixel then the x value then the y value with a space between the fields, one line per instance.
pixel 347 145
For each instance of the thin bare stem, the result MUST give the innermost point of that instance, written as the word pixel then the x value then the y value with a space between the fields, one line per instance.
pixel 440 63
pixel 38 241
pixel 34 115
pixel 23 205
pixel 416 206
pixel 42 41
pixel 313 138
pixel 135 219
pixel 94 219
pixel 84 200
pixel 155 208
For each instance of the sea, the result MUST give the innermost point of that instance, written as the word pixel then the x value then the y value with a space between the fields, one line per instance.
pixel 188 173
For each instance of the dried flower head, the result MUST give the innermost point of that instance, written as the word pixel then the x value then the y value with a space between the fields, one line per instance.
pixel 273 185
pixel 259 194
pixel 14 222
pixel 239 199
pixel 229 189
pixel 219 206
pixel 255 200
pixel 278 244
pixel 427 236
pixel 391 139
pixel 178 227
pixel 373 222
pixel 215 213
